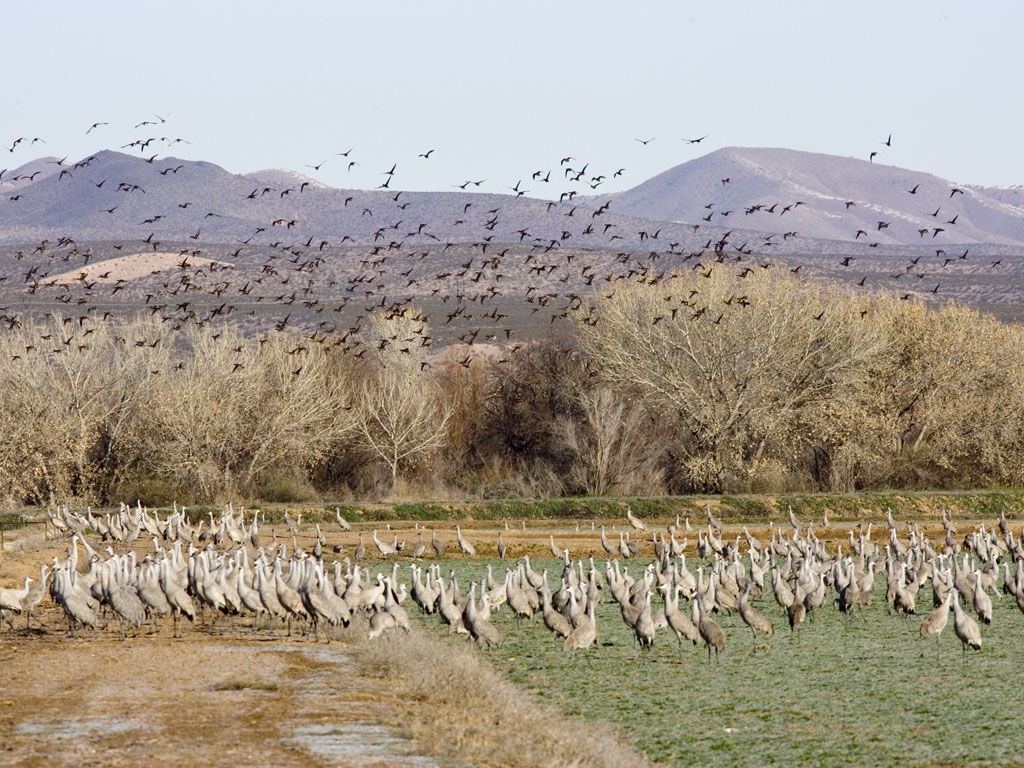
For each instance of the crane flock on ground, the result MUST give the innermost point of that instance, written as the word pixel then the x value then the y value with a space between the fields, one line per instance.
pixel 228 572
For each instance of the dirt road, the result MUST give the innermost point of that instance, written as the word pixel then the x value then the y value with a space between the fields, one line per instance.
pixel 227 700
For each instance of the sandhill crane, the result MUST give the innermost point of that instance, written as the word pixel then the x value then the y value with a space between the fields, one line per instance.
pixel 205 587
pixel 643 627
pixel 480 628
pixel 384 547
pixel 534 579
pixel 501 546
pixel 634 550
pixel 181 602
pixel 360 552
pixel 436 543
pixel 317 606
pixel 419 549
pixel 122 599
pixel 76 603
pixel 584 635
pixel 249 596
pixel 710 632
pixel 608 547
pixel 678 621
pixel 516 597
pixel 380 622
pixel 11 599
pixel 904 599
pixel 660 547
pixel 464 544
pixel 816 596
pixel 783 593
pixel 288 597
pixel 553 620
pixel 393 602
pixel 634 521
pixel 555 551
pixel 982 602
pixel 936 621
pixel 263 585
pixel 797 525
pixel 724 599
pixel 321 542
pixel 152 595
pixel 419 594
pixel 35 595
pixel 712 520
pixel 752 541
pixel 753 618
pixel 343 524
pixel 449 610
pixel 675 549
pixel 795 613
pixel 291 524
pixel 965 627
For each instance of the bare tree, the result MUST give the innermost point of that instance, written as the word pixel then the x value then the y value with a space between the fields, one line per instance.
pixel 401 418
pixel 612 444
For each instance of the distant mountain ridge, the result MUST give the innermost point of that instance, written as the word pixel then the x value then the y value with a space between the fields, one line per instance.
pixel 832 220
pixel 760 197
pixel 784 190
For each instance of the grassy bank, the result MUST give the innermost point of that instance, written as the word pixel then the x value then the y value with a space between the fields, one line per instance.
pixel 866 507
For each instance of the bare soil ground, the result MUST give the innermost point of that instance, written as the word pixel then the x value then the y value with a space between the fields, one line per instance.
pixel 227 699
pixel 200 700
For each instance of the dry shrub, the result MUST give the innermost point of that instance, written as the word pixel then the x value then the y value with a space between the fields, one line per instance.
pixel 71 389
pixel 460 707
pixel 698 382
pixel 237 413
pixel 730 363
pixel 944 405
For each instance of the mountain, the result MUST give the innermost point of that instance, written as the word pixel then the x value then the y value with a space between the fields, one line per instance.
pixel 818 202
pixel 783 190
pixel 114 195
pixel 739 206
pixel 151 223
pixel 1010 195
pixel 282 177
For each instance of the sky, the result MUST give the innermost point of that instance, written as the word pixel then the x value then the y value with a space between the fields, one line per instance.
pixel 499 91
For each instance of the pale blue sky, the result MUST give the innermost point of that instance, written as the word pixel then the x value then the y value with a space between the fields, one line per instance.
pixel 500 90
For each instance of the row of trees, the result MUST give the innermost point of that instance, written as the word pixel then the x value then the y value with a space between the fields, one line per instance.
pixel 700 382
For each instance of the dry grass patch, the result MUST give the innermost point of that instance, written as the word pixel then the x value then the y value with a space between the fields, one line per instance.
pixel 458 706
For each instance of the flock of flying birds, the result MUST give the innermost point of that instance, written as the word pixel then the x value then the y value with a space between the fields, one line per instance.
pixel 491 274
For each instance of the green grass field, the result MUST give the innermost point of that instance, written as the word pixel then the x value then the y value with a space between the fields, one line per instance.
pixel 863 690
